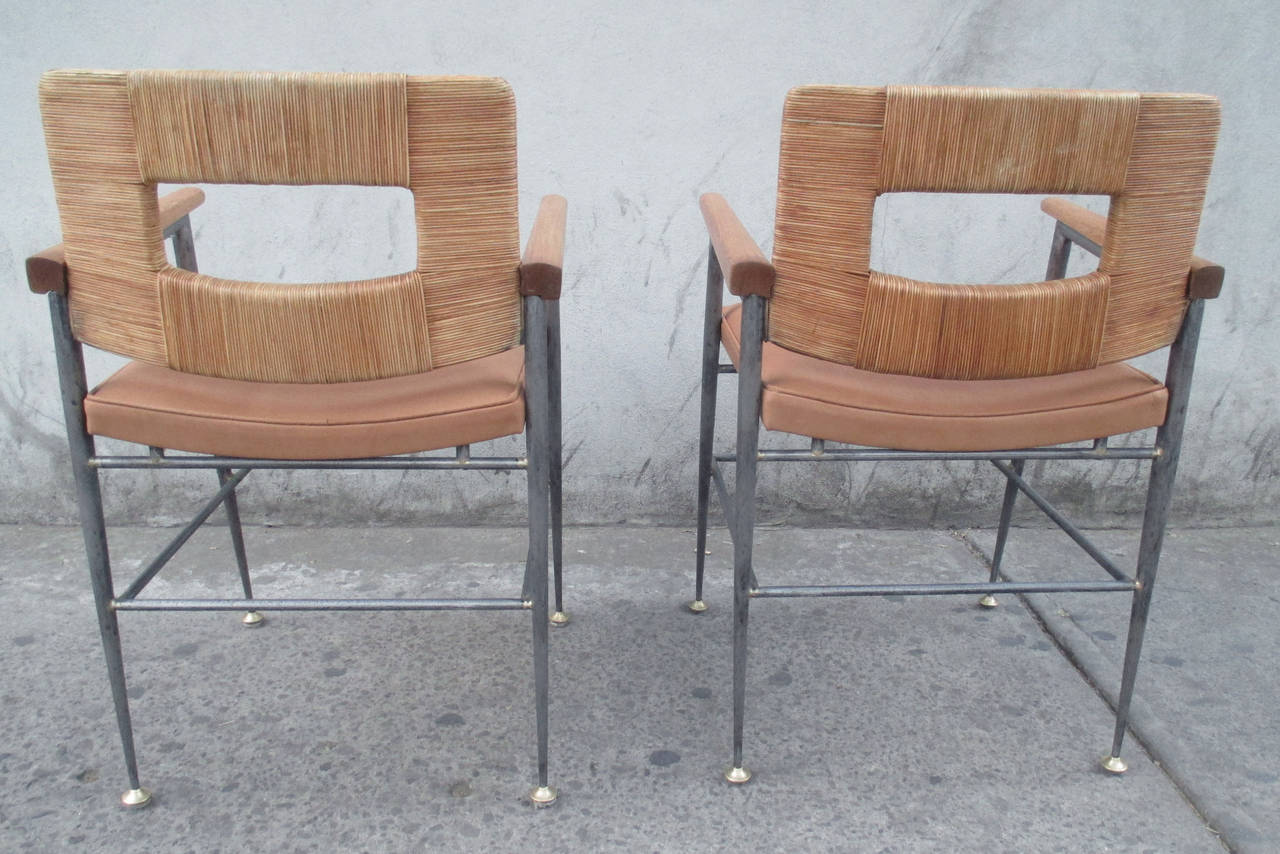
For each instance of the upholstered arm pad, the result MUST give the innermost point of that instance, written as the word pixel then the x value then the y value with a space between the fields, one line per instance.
pixel 47 269
pixel 542 267
pixel 745 268
pixel 1204 278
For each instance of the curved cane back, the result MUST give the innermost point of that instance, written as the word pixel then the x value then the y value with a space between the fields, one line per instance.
pixel 113 135
pixel 843 146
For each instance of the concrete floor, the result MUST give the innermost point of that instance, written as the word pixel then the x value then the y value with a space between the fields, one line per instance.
pixel 873 725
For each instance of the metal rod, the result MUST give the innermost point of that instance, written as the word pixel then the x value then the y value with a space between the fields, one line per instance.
pixel 232 506
pixel 729 368
pixel 74 388
pixel 462 454
pixel 1079 240
pixel 786 592
pixel 321 604
pixel 1006 515
pixel 184 244
pixel 537 406
pixel 200 461
pixel 1063 522
pixel 748 441
pixel 1181 366
pixel 726 499
pixel 1059 254
pixel 555 443
pixel 707 419
pixel 158 563
pixel 888 455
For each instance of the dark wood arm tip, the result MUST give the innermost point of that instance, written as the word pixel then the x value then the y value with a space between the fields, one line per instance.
pixel 745 269
pixel 1204 278
pixel 541 267
pixel 749 278
pixel 47 271
pixel 541 280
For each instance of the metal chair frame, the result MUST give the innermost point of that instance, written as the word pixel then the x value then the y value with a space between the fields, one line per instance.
pixel 739 505
pixel 542 466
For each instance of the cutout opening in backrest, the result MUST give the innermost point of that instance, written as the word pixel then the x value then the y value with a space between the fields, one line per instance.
pixel 303 234
pixel 964 238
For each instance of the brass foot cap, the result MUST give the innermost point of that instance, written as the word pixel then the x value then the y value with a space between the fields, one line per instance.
pixel 136 798
pixel 543 796
pixel 740 774
pixel 697 606
pixel 988 601
pixel 252 619
pixel 1114 765
pixel 560 618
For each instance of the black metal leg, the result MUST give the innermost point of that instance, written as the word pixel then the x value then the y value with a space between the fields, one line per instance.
pixel 93 526
pixel 744 514
pixel 1164 469
pixel 555 432
pixel 707 423
pixel 1002 533
pixel 251 619
pixel 537 435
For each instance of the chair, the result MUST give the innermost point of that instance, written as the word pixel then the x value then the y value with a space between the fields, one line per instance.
pixel 238 376
pixel 829 349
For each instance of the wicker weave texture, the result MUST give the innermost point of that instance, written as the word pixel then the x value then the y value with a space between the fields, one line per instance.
pixel 828 175
pixel 109 218
pixel 462 167
pixel 257 128
pixel 451 140
pixel 332 332
pixel 1152 225
pixel 953 140
pixel 842 146
pixel 969 332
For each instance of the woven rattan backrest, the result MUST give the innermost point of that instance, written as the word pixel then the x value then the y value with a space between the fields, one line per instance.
pixel 843 146
pixel 112 136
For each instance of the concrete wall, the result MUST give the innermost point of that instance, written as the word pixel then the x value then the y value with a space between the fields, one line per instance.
pixel 631 110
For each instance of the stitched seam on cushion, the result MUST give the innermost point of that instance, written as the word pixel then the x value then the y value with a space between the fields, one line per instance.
pixel 225 419
pixel 901 414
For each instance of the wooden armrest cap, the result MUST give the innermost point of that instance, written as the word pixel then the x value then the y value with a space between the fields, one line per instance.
pixel 542 266
pixel 744 266
pixel 1204 278
pixel 47 269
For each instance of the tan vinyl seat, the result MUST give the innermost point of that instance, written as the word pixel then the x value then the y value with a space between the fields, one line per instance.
pixel 839 403
pixel 459 404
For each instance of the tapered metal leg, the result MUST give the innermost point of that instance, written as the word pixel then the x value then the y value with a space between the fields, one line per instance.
pixel 537 436
pixel 1164 468
pixel 744 514
pixel 93 526
pixel 555 434
pixel 251 619
pixel 1002 533
pixel 707 423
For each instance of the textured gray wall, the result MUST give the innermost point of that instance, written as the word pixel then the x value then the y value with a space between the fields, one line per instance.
pixel 631 111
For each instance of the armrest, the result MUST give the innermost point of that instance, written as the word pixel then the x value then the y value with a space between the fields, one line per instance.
pixel 745 268
pixel 47 269
pixel 1204 278
pixel 542 266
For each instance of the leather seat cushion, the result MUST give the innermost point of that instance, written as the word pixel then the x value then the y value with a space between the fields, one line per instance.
pixel 825 400
pixel 454 405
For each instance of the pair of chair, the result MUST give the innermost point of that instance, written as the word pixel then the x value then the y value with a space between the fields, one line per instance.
pixel 242 376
